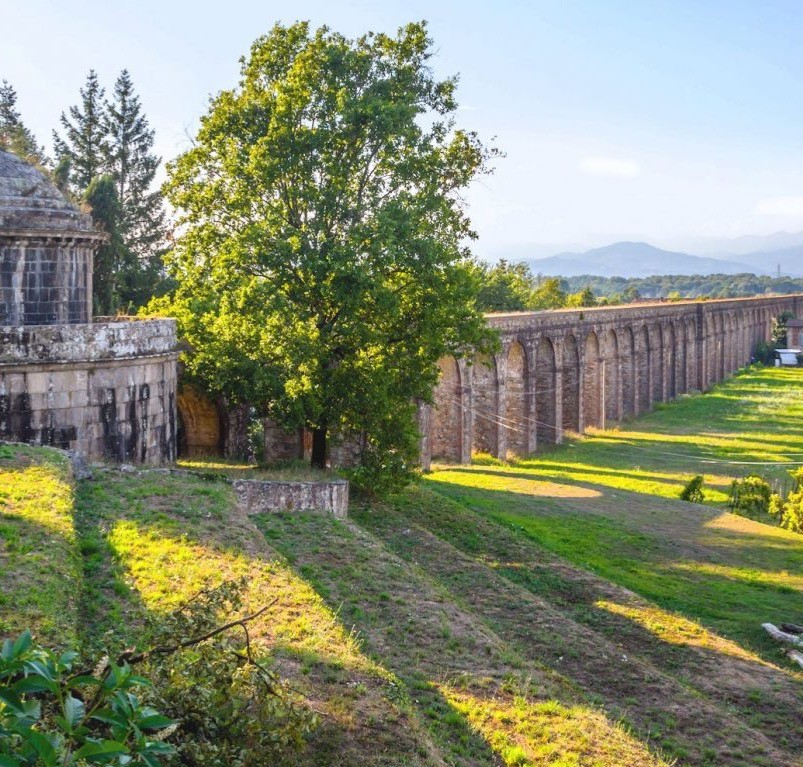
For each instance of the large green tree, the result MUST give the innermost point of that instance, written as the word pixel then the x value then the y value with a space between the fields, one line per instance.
pixel 322 264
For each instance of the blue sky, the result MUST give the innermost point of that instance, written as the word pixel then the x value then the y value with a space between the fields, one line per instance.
pixel 666 121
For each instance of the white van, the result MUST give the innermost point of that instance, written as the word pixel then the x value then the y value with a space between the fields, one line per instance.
pixel 786 357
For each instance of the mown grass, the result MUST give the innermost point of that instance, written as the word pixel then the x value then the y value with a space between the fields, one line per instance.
pixel 39 558
pixel 601 503
pixel 563 610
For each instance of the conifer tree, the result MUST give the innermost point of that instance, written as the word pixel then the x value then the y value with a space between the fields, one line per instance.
pixel 131 162
pixel 14 135
pixel 85 141
pixel 101 195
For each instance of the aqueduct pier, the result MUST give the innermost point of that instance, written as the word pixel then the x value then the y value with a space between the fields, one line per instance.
pixel 564 371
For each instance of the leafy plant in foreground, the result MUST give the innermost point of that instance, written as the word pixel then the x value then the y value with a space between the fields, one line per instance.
pixel 51 715
pixel 750 497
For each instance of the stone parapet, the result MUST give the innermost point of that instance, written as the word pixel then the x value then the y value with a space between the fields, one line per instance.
pixel 87 342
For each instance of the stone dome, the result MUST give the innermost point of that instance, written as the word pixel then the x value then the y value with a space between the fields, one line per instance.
pixel 31 203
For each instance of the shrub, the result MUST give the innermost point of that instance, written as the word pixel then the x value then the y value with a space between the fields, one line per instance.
pixel 233 709
pixel 50 715
pixel 790 511
pixel 750 497
pixel 693 490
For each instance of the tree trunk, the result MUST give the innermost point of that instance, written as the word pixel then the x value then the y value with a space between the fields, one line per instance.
pixel 319 448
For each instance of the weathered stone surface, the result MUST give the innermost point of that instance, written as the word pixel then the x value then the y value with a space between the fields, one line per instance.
pixel 105 390
pixel 258 497
pixel 568 370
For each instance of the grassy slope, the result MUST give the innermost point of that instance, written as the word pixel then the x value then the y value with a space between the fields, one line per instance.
pixel 497 614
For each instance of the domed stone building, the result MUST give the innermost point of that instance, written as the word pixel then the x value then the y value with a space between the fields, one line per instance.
pixel 104 388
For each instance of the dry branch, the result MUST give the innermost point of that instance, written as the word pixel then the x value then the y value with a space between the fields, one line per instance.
pixel 782 636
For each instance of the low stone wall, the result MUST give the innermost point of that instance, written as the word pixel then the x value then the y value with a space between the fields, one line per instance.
pixel 260 496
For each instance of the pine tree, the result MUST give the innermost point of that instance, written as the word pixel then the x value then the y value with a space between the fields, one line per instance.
pixel 130 161
pixel 101 195
pixel 14 136
pixel 85 142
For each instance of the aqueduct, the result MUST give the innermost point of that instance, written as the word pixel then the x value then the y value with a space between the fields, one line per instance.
pixel 564 371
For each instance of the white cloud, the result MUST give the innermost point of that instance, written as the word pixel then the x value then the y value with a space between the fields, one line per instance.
pixel 610 166
pixel 791 207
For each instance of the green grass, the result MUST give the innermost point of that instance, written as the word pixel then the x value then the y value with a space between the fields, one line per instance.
pixel 39 556
pixel 562 610
pixel 601 503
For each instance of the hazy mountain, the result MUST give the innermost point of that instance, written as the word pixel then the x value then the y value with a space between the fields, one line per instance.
pixel 790 261
pixel 639 259
pixel 721 247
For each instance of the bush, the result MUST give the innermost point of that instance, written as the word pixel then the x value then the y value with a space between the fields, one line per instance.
pixel 693 491
pixel 51 715
pixel 750 497
pixel 233 709
pixel 790 511
pixel 765 353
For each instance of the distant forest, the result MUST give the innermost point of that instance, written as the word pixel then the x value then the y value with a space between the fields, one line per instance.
pixel 674 286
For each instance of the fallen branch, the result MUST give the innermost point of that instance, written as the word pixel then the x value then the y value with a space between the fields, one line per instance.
pixel 782 636
pixel 792 628
pixel 796 656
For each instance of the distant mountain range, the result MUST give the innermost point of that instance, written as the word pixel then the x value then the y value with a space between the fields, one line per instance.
pixel 640 259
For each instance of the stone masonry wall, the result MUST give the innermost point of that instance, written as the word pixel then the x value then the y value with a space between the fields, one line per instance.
pixel 104 392
pixel 258 497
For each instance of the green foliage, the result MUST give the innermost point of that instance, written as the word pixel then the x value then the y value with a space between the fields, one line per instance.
pixel 14 135
pixel 584 297
pixel 322 268
pixel 101 196
pixel 693 490
pixel 671 286
pixel 764 353
pixel 779 329
pixel 51 715
pixel 750 497
pixel 112 139
pixel 790 511
pixel 505 287
pixel 233 709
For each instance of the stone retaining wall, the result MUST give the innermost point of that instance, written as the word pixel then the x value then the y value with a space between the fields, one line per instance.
pixel 265 496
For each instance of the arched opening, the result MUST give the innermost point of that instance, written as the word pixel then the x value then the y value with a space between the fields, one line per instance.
pixel 592 413
pixel 446 421
pixel 609 373
pixel 545 393
pixel 627 372
pixel 642 357
pixel 709 353
pixel 670 359
pixel 692 374
pixel 486 406
pixel 656 363
pixel 571 385
pixel 516 410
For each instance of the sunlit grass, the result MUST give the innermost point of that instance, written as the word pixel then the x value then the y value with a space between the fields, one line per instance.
pixel 39 558
pixel 527 731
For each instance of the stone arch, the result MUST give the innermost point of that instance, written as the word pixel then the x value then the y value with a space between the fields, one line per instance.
pixel 592 415
pixel 570 391
pixel 627 372
pixel 656 356
pixel 670 361
pixel 517 411
pixel 199 430
pixel 546 393
pixel 642 359
pixel 719 326
pixel 728 345
pixel 692 373
pixel 446 419
pixel 485 431
pixel 709 352
pixel 609 373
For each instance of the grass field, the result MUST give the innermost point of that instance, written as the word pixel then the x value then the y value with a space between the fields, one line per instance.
pixel 563 610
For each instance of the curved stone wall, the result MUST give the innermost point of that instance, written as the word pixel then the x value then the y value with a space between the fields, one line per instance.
pixel 106 390
pixel 568 370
